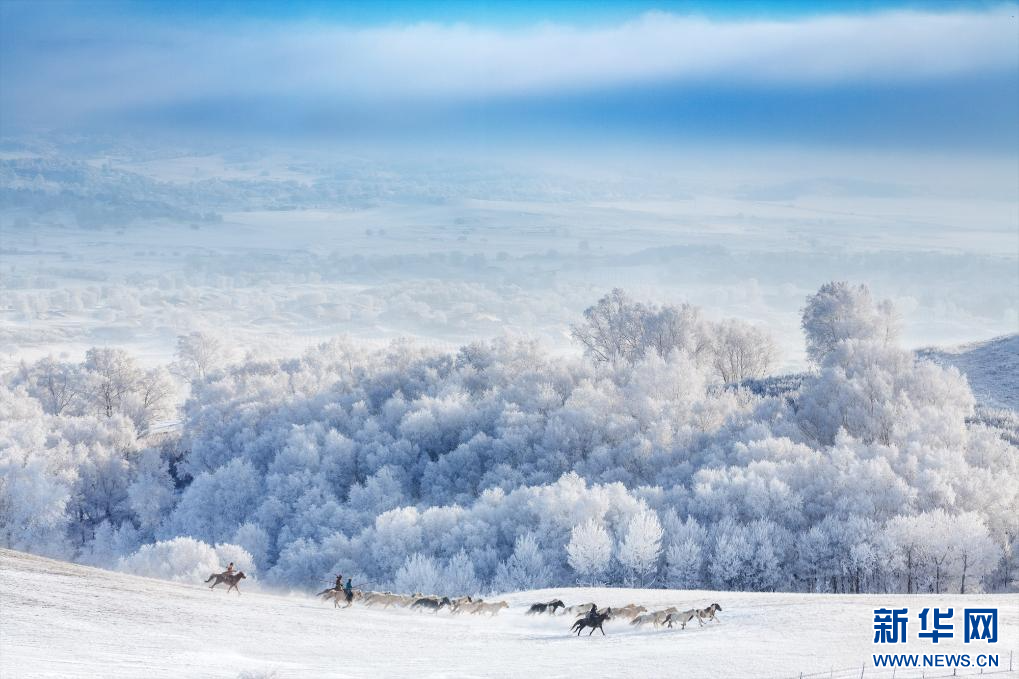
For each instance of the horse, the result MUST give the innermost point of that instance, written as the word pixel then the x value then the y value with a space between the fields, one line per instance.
pixel 431 602
pixel 629 611
pixel 657 618
pixel 459 602
pixel 492 608
pixel 579 609
pixel 543 607
pixel 594 621
pixel 229 578
pixel 708 613
pixel 387 599
pixel 682 618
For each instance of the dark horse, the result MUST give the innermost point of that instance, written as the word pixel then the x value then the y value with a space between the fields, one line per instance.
pixel 229 579
pixel 544 608
pixel 594 620
pixel 432 603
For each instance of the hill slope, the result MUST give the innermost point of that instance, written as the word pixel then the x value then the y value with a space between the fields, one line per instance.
pixel 992 368
pixel 64 620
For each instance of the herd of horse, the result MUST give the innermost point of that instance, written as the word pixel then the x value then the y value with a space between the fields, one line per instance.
pixel 417 601
pixel 590 616
pixel 586 616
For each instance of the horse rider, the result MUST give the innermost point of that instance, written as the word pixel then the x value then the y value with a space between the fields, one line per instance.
pixel 591 613
pixel 229 569
pixel 348 591
pixel 339 582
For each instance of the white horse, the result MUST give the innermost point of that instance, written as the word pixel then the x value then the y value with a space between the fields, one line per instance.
pixel 682 618
pixel 656 618
pixel 492 608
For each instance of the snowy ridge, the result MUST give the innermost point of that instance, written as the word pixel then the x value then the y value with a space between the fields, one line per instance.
pixel 64 620
pixel 992 367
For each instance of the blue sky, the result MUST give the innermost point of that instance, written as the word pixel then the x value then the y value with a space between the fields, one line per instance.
pixel 942 76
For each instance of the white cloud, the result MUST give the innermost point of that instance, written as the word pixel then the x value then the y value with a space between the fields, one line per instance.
pixel 79 67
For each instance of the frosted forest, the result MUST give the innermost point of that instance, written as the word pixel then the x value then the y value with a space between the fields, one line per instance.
pixel 667 451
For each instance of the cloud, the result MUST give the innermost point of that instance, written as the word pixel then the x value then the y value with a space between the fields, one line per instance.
pixel 69 68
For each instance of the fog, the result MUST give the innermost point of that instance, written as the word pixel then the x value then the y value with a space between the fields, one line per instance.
pixel 131 244
pixel 280 177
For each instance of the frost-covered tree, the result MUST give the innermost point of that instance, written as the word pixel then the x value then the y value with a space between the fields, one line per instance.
pixel 419 573
pixel 839 311
pixel 742 351
pixel 975 552
pixel 619 329
pixel 641 547
pixel 185 559
pixel 683 563
pixel 729 565
pixel 110 376
pixel 55 384
pixel 880 394
pixel 526 568
pixel 489 463
pixel 198 354
pixel 459 577
pixel 589 551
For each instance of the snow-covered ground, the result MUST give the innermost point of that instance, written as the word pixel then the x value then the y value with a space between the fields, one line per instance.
pixel 991 368
pixel 64 620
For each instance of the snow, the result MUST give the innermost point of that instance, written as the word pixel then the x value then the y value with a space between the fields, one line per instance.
pixel 64 620
pixel 992 368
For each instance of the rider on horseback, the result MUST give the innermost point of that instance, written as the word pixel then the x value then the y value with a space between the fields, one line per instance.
pixel 339 582
pixel 348 591
pixel 229 569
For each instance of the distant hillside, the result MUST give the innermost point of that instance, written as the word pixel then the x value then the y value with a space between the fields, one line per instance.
pixel 992 367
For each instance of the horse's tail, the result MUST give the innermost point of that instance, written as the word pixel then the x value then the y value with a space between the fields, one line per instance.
pixel 211 577
pixel 322 593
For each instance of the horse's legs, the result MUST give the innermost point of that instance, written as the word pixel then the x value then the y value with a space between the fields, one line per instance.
pixel 602 629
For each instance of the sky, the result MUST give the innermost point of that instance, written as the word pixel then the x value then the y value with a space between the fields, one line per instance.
pixel 860 75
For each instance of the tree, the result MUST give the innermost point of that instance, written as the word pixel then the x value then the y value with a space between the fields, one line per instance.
pixel 198 354
pixel 111 375
pixel 730 559
pixel 54 383
pixel 881 394
pixel 642 546
pixel 459 577
pixel 419 573
pixel 113 382
pixel 612 329
pixel 185 559
pixel 589 551
pixel 976 553
pixel 742 351
pixel 838 312
pixel 525 568
pixel 683 562
pixel 617 329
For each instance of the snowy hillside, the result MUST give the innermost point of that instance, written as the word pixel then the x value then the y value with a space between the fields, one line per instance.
pixel 64 620
pixel 992 368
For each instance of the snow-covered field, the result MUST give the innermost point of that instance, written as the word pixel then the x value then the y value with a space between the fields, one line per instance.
pixel 64 620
